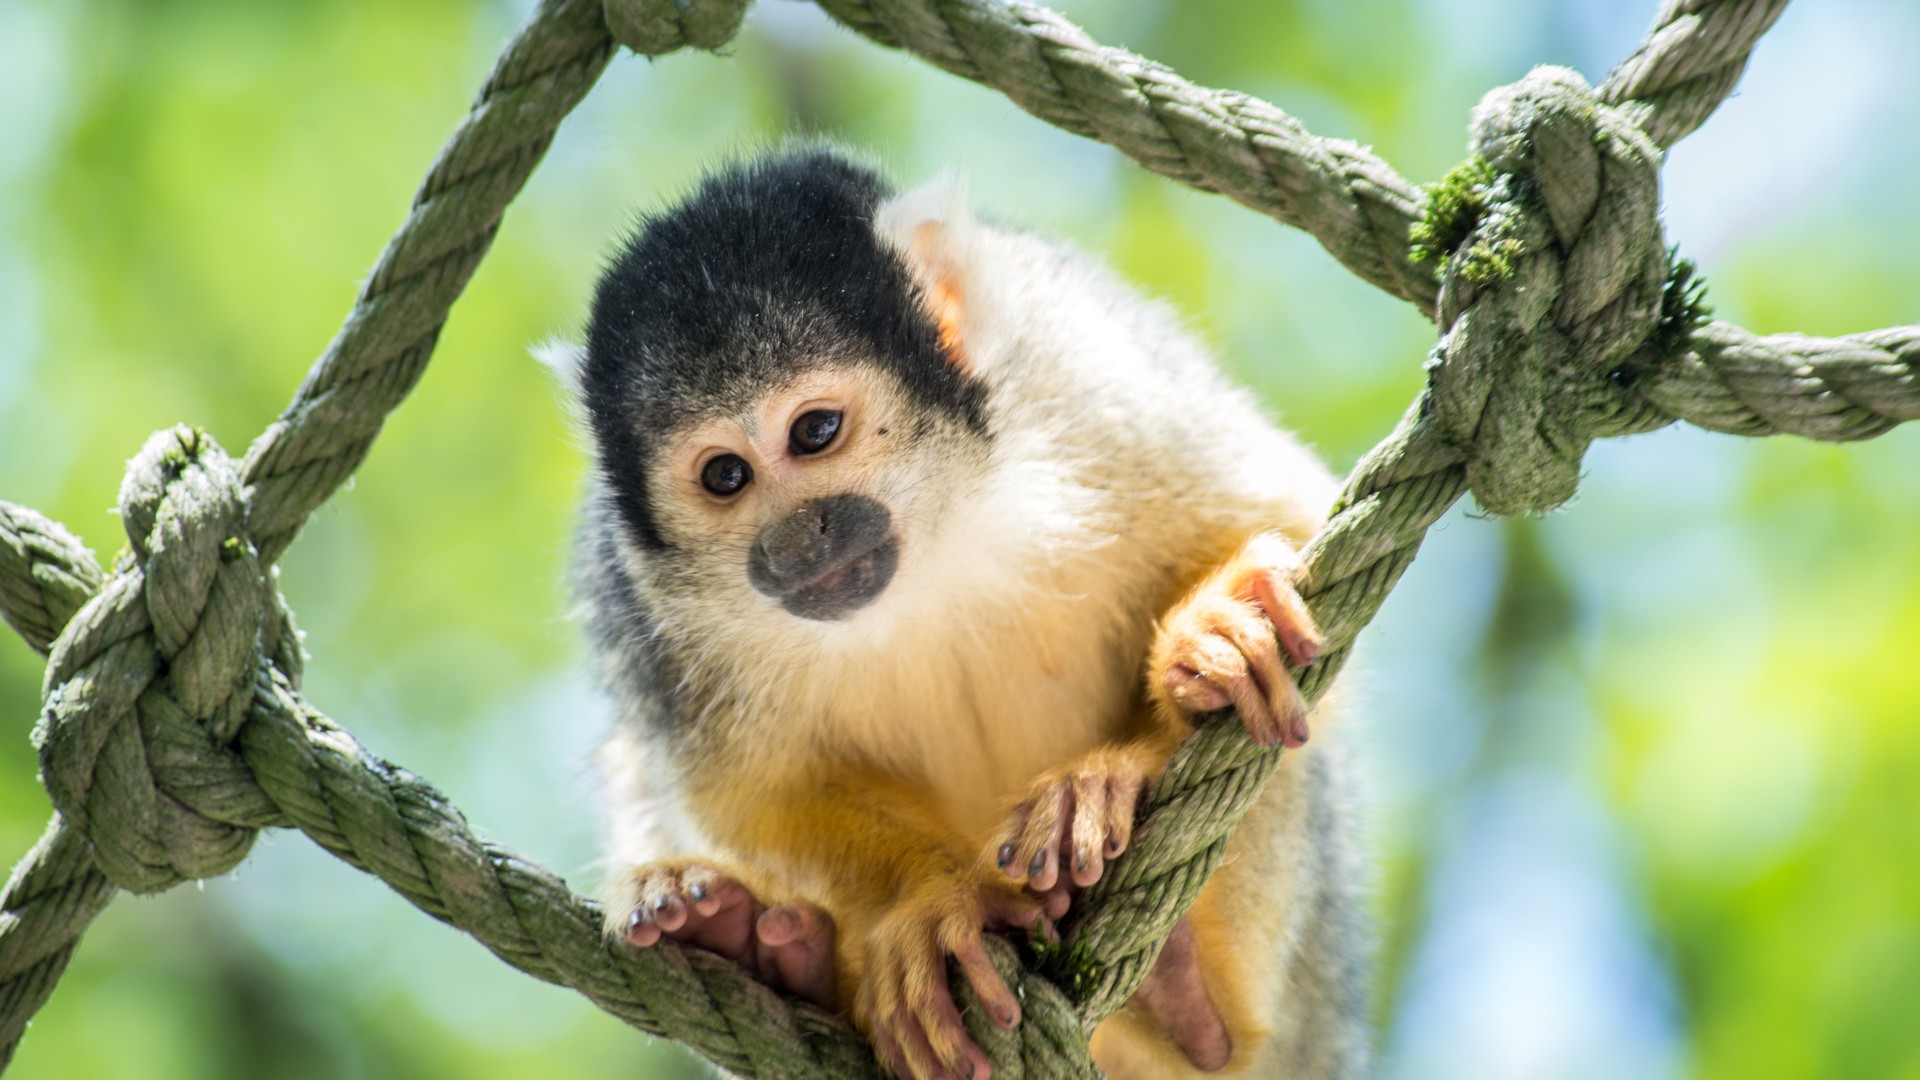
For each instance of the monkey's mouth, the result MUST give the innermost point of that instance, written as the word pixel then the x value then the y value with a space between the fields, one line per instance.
pixel 845 585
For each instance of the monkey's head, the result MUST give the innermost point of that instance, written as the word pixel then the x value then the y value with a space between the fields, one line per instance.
pixel 784 410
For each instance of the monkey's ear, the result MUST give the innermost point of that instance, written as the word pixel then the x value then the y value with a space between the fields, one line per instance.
pixel 931 228
pixel 565 359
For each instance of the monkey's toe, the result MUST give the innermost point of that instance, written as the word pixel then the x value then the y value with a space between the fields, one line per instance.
pixel 904 1001
pixel 795 952
pixel 788 947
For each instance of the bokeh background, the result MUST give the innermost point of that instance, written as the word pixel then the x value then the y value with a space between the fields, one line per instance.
pixel 1643 771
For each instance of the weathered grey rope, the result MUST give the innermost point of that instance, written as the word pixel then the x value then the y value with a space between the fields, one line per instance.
pixel 1832 389
pixel 1688 63
pixel 42 582
pixel 378 355
pixel 1549 259
pixel 1350 200
pixel 57 890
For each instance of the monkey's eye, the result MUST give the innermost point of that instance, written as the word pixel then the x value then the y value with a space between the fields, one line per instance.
pixel 726 474
pixel 814 430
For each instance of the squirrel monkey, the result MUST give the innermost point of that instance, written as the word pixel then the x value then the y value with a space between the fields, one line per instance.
pixel 913 548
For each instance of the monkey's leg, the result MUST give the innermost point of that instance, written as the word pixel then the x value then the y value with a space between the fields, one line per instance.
pixel 787 946
pixel 905 891
pixel 1277 951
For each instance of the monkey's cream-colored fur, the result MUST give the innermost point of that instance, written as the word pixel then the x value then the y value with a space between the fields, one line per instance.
pixel 1014 635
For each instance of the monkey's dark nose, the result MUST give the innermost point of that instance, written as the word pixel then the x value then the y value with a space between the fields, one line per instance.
pixel 827 557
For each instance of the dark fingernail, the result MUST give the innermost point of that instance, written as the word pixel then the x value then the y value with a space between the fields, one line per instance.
pixel 698 890
pixel 635 919
pixel 970 1071
pixel 1080 861
pixel 1006 856
pixel 659 903
pixel 1113 846
pixel 1038 864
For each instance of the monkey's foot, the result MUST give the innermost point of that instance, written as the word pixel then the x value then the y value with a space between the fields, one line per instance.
pixel 1072 821
pixel 903 1001
pixel 787 946
pixel 1221 645
pixel 1174 995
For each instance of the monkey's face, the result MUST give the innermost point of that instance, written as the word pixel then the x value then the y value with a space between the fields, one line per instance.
pixel 807 496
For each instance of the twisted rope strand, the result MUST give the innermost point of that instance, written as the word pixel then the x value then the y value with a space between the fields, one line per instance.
pixel 383 347
pixel 1831 389
pixel 1688 63
pixel 1350 200
pixel 45 575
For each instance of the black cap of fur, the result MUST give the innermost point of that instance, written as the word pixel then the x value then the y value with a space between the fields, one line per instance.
pixel 770 268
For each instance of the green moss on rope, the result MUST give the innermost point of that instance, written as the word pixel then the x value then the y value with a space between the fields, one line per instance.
pixel 1454 208
pixel 1067 964
pixel 1683 306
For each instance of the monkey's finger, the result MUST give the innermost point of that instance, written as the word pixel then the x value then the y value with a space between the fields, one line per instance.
pixel 1192 692
pixel 796 947
pixel 1255 713
pixel 720 917
pixel 939 1022
pixel 995 997
pixel 887 1049
pixel 1281 601
pixel 659 889
pixel 1089 836
pixel 1292 710
pixel 669 911
pixel 1123 796
pixel 1010 909
pixel 1055 901
pixel 1253 639
pixel 708 890
pixel 642 931
pixel 1007 855
pixel 917 1051
pixel 1284 703
pixel 1040 847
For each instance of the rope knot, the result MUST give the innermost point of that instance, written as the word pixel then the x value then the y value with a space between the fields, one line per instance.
pixel 151 680
pixel 1552 275
pixel 657 27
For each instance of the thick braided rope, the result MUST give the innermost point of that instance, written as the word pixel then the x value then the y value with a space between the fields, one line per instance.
pixel 1350 200
pixel 45 575
pixel 55 893
pixel 1688 63
pixel 381 350
pixel 57 890
pixel 1832 389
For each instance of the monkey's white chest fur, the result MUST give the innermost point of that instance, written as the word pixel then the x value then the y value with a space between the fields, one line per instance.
pixel 1010 642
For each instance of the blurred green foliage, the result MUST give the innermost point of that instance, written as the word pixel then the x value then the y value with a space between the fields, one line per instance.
pixel 1699 687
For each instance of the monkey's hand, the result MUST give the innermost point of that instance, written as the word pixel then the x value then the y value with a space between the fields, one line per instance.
pixel 903 1001
pixel 1218 647
pixel 788 946
pixel 1073 820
